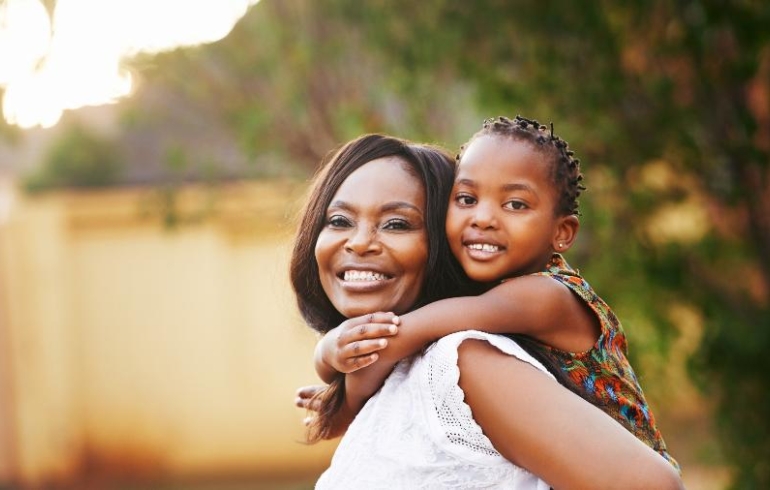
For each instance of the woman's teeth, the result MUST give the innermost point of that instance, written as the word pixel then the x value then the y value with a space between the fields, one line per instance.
pixel 364 276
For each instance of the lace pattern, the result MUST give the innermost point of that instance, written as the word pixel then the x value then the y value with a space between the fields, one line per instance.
pixel 417 432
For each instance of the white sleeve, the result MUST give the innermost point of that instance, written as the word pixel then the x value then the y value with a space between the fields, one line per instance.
pixel 451 423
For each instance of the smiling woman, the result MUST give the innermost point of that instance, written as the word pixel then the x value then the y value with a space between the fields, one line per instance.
pixel 371 253
pixel 74 60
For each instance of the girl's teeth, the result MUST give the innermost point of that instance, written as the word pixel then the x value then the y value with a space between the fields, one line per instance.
pixel 484 247
pixel 363 276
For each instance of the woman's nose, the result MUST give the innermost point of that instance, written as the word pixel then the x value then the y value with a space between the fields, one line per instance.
pixel 362 241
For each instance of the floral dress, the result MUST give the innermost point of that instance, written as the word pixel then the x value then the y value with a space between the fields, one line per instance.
pixel 603 374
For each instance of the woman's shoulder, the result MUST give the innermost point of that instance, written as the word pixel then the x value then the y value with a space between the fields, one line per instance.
pixel 446 349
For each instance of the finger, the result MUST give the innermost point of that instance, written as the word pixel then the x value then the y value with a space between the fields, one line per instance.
pixel 312 404
pixel 363 347
pixel 366 331
pixel 363 361
pixel 308 391
pixel 377 317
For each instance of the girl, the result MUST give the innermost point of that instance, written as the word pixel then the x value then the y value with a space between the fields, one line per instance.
pixel 512 212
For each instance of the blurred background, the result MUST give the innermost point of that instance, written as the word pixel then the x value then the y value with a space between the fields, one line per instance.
pixel 154 155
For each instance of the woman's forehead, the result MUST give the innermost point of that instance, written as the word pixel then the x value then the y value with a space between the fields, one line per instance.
pixel 382 180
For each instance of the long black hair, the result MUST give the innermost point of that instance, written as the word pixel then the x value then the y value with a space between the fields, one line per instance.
pixel 434 168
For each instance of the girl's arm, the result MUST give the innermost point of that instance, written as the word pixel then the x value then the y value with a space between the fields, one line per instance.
pixel 541 426
pixel 534 305
pixel 537 306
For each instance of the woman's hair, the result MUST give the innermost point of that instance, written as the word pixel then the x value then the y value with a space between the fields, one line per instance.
pixel 443 276
pixel 565 170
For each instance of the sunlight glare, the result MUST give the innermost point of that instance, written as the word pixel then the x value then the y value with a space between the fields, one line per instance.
pixel 80 63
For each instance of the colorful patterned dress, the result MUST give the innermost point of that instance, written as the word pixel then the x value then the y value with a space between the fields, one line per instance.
pixel 603 373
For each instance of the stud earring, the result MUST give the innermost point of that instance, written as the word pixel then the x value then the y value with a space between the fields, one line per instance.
pixel 561 245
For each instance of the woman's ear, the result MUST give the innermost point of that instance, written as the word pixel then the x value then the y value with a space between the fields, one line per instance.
pixel 566 232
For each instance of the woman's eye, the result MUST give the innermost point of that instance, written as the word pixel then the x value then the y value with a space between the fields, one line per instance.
pixel 465 200
pixel 338 221
pixel 516 205
pixel 397 224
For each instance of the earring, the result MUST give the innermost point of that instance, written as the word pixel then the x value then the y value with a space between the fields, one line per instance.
pixel 561 245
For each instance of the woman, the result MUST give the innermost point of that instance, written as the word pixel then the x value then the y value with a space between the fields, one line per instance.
pixel 372 239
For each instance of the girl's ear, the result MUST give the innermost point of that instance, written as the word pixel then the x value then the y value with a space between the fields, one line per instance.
pixel 566 232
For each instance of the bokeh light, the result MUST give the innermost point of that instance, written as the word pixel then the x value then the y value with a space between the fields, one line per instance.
pixel 76 59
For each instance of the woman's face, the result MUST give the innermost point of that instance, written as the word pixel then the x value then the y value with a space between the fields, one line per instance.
pixel 373 248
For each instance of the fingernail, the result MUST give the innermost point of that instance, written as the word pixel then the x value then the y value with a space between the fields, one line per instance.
pixel 392 329
pixel 396 320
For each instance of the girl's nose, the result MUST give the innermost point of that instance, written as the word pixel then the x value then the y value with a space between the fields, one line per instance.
pixel 483 217
pixel 363 241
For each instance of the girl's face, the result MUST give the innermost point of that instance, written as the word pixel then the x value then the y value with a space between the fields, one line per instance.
pixel 373 249
pixel 501 221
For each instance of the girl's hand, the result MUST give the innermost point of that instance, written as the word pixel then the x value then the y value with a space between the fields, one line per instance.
pixel 355 343
pixel 304 398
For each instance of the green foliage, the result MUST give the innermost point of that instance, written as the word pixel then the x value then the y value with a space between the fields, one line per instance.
pixel 78 159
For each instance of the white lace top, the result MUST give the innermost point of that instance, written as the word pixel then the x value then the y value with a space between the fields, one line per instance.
pixel 418 433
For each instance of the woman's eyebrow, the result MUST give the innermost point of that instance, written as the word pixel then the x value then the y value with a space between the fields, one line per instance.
pixel 340 205
pixel 390 206
pixel 396 205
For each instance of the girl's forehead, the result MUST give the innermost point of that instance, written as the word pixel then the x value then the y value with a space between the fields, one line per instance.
pixel 499 156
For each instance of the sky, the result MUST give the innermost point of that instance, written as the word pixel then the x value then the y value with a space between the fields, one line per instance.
pixel 74 58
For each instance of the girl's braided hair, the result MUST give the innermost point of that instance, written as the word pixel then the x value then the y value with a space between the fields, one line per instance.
pixel 565 169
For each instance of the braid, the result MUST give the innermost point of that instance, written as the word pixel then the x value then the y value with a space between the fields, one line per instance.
pixel 565 169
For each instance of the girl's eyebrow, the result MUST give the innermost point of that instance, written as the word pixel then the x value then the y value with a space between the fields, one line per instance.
pixel 517 186
pixel 514 186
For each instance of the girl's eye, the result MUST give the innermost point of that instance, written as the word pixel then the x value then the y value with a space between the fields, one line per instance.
pixel 515 205
pixel 338 221
pixel 397 224
pixel 465 200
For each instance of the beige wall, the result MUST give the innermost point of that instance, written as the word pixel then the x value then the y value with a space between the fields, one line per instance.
pixel 127 347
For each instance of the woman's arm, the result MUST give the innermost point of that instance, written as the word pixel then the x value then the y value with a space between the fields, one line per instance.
pixel 541 426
